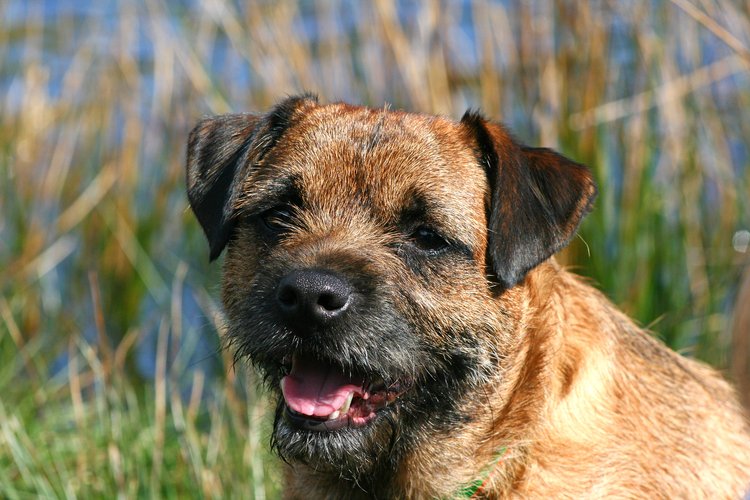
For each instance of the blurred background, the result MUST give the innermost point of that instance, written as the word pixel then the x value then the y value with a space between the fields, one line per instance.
pixel 112 376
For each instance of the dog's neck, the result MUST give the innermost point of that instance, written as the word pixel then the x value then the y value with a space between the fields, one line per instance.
pixel 480 485
pixel 508 409
pixel 545 381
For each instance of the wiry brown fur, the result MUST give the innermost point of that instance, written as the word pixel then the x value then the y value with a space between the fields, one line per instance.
pixel 584 403
pixel 599 409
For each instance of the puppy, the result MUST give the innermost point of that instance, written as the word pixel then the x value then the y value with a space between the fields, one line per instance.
pixel 391 276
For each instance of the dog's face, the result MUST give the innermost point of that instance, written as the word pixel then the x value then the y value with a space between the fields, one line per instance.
pixel 373 259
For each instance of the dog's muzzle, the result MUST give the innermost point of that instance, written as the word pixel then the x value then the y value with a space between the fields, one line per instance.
pixel 319 395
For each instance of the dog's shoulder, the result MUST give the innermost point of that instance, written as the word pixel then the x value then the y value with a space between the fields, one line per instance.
pixel 626 406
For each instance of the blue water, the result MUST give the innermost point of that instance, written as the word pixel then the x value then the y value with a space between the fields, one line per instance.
pixel 96 26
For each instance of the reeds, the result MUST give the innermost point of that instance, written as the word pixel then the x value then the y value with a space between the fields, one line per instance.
pixel 112 378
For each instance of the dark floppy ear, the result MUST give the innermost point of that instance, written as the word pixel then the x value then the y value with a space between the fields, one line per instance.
pixel 538 199
pixel 221 150
pixel 217 146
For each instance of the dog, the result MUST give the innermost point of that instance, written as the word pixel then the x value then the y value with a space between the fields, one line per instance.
pixel 391 275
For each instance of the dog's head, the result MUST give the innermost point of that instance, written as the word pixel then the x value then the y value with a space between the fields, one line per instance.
pixel 372 258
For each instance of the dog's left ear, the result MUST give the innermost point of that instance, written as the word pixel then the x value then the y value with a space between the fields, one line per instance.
pixel 538 199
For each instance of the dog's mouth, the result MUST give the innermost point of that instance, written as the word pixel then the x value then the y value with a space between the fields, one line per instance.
pixel 319 396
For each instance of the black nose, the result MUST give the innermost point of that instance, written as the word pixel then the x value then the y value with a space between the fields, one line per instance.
pixel 312 296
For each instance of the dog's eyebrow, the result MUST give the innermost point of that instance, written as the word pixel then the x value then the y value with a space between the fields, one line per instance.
pixel 419 208
pixel 415 211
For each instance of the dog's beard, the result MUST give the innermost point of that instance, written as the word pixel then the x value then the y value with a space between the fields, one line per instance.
pixel 378 343
pixel 350 453
pixel 435 402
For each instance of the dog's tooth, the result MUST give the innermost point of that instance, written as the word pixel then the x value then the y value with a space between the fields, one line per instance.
pixel 334 415
pixel 345 407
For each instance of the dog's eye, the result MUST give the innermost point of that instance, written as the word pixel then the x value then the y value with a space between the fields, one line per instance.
pixel 277 219
pixel 428 240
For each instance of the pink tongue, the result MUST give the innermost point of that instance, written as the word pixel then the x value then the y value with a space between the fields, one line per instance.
pixel 316 389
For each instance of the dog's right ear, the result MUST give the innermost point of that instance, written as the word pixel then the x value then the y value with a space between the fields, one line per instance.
pixel 217 148
pixel 220 154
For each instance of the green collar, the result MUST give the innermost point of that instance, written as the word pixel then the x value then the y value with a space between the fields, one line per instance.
pixel 474 488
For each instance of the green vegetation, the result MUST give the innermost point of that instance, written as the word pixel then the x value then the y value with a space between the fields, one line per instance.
pixel 112 376
pixel 90 432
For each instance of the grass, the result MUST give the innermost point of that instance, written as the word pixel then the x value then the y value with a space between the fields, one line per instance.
pixel 112 377
pixel 92 432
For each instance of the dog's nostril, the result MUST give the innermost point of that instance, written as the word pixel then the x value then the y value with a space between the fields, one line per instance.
pixel 332 301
